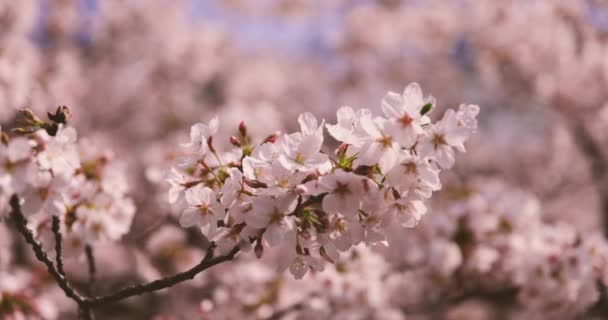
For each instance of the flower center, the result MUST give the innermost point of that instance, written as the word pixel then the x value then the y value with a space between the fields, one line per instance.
pixel 342 189
pixel 438 139
pixel 283 183
pixel 299 158
pixel 276 217
pixel 96 227
pixel 258 172
pixel 386 141
pixel 340 225
pixel 44 192
pixel 401 208
pixel 204 209
pixel 406 120
pixel 9 166
pixel 410 168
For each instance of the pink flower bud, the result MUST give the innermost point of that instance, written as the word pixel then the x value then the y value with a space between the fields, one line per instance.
pixel 243 129
pixel 271 138
pixel 235 141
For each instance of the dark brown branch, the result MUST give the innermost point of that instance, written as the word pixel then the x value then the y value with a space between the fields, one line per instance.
pixel 85 304
pixel 21 225
pixel 92 269
pixel 58 254
pixel 207 262
pixel 85 312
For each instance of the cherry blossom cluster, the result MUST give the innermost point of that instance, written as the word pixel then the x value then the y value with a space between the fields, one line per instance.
pixel 287 194
pixel 55 175
pixel 486 51
pixel 486 242
pixel 490 239
pixel 352 288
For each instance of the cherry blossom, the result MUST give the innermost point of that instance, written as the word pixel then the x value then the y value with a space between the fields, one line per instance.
pixel 405 113
pixel 203 208
pixel 287 194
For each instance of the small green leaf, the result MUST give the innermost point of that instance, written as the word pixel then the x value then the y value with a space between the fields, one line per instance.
pixel 426 108
pixel 310 216
pixel 347 162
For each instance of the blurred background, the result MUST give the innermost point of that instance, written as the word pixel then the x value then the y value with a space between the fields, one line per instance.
pixel 137 74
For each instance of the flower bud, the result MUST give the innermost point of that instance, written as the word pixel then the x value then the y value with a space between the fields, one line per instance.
pixel 243 129
pixel 235 141
pixel 24 131
pixel 51 129
pixel 62 115
pixel 271 138
pixel 30 118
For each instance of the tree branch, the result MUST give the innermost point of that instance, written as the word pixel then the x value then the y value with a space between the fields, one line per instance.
pixel 21 224
pixel 85 312
pixel 92 269
pixel 85 304
pixel 58 239
pixel 207 262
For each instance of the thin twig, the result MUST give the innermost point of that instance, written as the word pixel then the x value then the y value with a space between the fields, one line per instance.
pixel 137 236
pixel 58 239
pixel 92 269
pixel 207 262
pixel 21 224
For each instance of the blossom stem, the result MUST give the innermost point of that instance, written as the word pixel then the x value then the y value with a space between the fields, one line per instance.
pixel 204 164
pixel 219 160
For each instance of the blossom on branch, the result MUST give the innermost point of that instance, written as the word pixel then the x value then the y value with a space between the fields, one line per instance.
pixel 287 194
